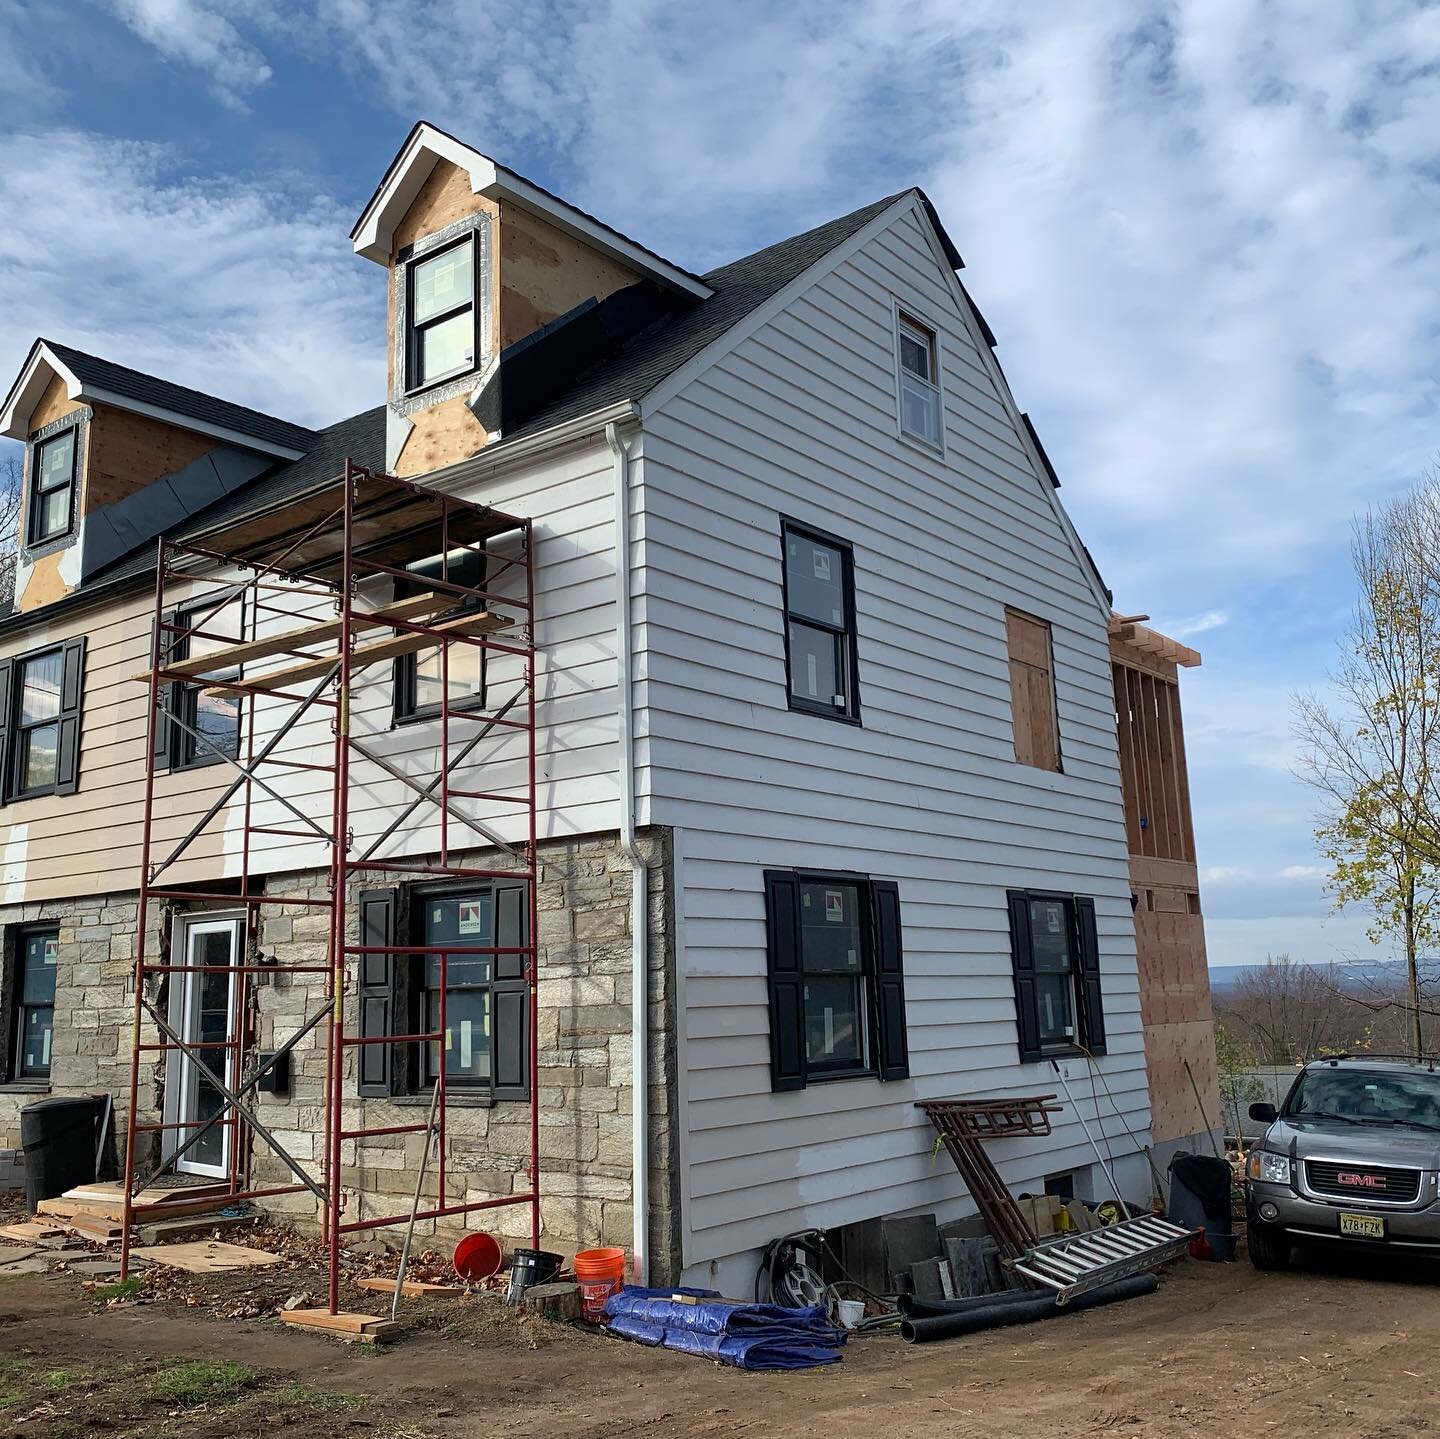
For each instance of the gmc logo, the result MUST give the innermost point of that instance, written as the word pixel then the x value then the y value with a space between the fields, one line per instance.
pixel 1361 1181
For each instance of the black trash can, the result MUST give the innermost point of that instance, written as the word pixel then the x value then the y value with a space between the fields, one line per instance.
pixel 1200 1198
pixel 59 1137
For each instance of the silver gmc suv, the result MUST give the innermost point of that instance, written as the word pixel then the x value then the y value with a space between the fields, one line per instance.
pixel 1351 1157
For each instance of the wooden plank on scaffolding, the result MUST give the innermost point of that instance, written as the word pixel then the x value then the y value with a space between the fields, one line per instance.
pixel 416 607
pixel 473 626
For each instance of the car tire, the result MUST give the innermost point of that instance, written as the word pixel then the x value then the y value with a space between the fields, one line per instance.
pixel 1269 1248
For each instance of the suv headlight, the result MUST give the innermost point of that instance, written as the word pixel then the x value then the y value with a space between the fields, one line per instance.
pixel 1268 1168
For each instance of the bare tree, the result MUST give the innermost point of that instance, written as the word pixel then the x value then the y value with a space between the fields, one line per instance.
pixel 1285 1012
pixel 10 474
pixel 1373 756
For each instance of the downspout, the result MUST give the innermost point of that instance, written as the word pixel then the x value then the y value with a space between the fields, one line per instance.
pixel 639 873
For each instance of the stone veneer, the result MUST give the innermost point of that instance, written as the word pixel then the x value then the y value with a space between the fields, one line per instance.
pixel 584 1055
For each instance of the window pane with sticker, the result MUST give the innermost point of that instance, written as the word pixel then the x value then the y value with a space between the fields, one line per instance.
pixel 465 920
pixel 820 625
pixel 1051 945
pixel 36 953
pixel 832 960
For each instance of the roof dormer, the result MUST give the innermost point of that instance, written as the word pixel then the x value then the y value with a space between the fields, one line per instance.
pixel 482 261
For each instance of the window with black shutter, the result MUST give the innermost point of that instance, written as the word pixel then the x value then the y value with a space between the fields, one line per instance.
pixel 471 990
pixel 41 695
pixel 1055 952
pixel 836 978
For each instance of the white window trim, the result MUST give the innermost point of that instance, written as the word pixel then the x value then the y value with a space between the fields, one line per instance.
pixel 899 313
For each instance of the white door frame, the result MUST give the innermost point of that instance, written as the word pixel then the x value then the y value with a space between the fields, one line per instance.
pixel 182 1076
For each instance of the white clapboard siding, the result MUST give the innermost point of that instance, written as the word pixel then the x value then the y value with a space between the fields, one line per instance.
pixel 799 420
pixel 64 847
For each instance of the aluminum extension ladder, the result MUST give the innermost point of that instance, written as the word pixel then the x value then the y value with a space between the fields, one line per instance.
pixel 1071 1264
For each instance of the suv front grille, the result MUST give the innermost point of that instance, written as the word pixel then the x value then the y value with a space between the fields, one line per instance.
pixel 1363 1181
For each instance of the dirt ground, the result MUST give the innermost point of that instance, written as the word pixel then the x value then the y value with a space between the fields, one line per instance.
pixel 1335 1349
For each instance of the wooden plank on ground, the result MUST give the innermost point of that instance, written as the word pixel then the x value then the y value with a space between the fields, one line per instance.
pixel 210 1256
pixel 473 625
pixel 411 1289
pixel 365 1328
pixel 31 1230
pixel 413 608
pixel 189 1226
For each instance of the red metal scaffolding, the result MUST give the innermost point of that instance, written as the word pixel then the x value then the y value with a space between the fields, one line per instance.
pixel 359 529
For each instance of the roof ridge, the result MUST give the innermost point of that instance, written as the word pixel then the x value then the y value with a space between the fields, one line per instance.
pixel 64 351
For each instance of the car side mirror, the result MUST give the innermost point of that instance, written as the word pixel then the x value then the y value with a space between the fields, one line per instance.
pixel 1263 1113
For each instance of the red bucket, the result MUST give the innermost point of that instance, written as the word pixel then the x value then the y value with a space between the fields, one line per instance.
pixel 478 1256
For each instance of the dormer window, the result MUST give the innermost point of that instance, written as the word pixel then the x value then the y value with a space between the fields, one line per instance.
pixel 440 325
pixel 52 488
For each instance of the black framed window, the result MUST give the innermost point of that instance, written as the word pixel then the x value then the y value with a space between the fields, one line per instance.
pixel 52 488
pixel 821 656
pixel 1055 953
pixel 440 323
pixel 195 728
pixel 919 381
pixel 485 1044
pixel 836 974
pixel 420 678
pixel 36 952
pixel 40 698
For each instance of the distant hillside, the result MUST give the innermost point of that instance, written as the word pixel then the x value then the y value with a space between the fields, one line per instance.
pixel 1360 974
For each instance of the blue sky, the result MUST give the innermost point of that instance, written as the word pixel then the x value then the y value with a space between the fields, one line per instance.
pixel 1203 231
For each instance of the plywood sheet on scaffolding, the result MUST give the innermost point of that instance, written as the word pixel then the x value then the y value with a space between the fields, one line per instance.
pixel 472 625
pixel 415 608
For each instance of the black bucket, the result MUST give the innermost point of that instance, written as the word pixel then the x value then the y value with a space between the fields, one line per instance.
pixel 59 1137
pixel 531 1266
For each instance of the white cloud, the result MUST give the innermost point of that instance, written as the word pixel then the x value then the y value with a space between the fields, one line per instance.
pixel 1304 872
pixel 199 35
pixel 1223 874
pixel 1184 629
pixel 249 291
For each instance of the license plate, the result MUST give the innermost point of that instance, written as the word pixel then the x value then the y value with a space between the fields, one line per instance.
pixel 1363 1226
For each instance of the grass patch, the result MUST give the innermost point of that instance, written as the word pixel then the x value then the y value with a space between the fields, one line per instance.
pixel 295 1394
pixel 204 1381
pixel 123 1289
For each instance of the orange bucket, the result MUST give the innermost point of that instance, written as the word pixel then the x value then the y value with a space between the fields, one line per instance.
pixel 599 1273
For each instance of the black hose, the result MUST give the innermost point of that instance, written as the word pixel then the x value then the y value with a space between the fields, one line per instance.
pixel 924 1330
pixel 913 1307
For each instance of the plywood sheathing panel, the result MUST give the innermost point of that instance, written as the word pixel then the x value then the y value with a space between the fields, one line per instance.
pixel 54 404
pixel 443 434
pixel 130 451
pixel 44 584
pixel 544 272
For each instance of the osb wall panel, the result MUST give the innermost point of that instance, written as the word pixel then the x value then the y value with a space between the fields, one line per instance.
pixel 1175 1007
pixel 544 272
pixel 443 434
pixel 444 198
pixel 129 451
pixel 44 584
pixel 54 405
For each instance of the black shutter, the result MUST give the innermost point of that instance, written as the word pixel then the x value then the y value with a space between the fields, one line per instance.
pixel 510 996
pixel 1022 956
pixel 374 1070
pixel 167 698
pixel 72 694
pixel 1087 980
pixel 7 715
pixel 787 982
pixel 893 1060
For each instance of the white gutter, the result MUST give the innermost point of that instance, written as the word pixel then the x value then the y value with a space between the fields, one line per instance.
pixel 639 874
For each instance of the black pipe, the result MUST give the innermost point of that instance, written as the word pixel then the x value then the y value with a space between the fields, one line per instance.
pixel 913 1307
pixel 1041 1306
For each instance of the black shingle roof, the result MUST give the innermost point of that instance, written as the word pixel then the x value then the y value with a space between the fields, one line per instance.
pixel 740 287
pixel 100 374
pixel 641 363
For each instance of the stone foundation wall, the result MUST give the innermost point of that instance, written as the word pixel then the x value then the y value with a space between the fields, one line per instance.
pixel 584 983
pixel 94 1007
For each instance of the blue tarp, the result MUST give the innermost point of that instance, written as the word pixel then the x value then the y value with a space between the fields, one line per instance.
pixel 749 1336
